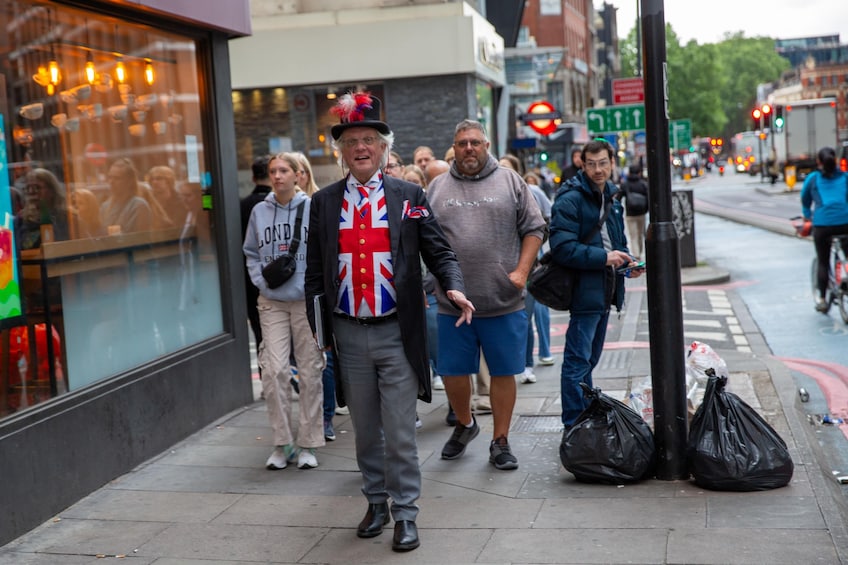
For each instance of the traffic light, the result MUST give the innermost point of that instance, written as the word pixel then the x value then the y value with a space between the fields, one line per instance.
pixel 766 109
pixel 757 114
pixel 543 156
pixel 778 118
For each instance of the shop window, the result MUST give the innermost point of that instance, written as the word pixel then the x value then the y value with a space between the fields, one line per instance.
pixel 107 255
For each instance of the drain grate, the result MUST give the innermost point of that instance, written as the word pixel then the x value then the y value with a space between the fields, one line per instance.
pixel 538 423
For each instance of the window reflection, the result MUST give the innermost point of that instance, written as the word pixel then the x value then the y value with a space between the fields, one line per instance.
pixel 100 135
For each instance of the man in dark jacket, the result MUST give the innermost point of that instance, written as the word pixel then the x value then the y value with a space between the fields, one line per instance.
pixel 262 186
pixel 634 191
pixel 577 210
pixel 367 232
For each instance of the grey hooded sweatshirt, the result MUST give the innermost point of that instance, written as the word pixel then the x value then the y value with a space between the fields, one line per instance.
pixel 269 234
pixel 485 218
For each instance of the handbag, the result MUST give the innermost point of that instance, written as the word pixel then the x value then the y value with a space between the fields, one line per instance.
pixel 282 268
pixel 552 284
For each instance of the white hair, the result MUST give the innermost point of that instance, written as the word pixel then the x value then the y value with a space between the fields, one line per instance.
pixel 387 138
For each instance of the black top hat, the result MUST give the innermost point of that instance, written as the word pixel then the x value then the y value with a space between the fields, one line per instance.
pixel 358 110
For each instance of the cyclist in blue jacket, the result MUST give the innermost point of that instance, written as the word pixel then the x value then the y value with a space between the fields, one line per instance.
pixel 824 198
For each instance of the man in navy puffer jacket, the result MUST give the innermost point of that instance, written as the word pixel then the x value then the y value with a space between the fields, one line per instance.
pixel 578 207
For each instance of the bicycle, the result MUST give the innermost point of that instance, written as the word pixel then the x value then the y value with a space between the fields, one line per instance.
pixel 837 278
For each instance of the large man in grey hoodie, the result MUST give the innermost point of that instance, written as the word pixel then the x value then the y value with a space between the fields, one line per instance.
pixel 495 227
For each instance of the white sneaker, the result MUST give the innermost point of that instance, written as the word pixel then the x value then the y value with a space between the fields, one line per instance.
pixel 438 383
pixel 527 376
pixel 546 360
pixel 278 459
pixel 306 459
pixel 342 410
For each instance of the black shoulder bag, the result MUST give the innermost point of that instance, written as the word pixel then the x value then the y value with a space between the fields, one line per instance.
pixel 552 284
pixel 281 269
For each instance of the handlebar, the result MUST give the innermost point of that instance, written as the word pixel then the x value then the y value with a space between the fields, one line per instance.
pixel 803 228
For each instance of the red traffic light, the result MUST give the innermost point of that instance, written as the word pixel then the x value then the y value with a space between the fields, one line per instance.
pixel 756 114
pixel 766 109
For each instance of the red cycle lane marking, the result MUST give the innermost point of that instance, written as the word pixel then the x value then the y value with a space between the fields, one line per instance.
pixel 831 378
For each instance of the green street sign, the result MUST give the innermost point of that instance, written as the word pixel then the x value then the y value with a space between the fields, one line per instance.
pixel 614 119
pixel 679 134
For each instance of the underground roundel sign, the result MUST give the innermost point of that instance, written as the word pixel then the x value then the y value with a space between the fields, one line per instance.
pixel 546 123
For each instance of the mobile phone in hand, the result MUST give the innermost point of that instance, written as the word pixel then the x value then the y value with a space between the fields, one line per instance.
pixel 625 269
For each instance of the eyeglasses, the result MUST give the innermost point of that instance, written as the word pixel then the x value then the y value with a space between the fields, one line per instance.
pixel 392 165
pixel 475 143
pixel 602 164
pixel 353 142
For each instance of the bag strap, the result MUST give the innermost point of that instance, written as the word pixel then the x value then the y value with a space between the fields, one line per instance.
pixel 295 242
pixel 597 228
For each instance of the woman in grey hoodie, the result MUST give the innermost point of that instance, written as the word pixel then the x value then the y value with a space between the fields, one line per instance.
pixel 276 224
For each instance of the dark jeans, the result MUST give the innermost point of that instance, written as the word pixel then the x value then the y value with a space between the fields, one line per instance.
pixel 584 343
pixel 822 236
pixel 433 331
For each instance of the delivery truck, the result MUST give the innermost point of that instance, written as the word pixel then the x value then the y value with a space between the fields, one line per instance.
pixel 808 126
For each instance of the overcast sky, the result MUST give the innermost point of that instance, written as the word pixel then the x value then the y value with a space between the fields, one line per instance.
pixel 706 21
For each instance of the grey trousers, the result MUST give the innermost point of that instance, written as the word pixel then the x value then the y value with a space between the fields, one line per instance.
pixel 381 389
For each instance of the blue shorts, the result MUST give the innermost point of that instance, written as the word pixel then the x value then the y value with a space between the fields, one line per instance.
pixel 503 340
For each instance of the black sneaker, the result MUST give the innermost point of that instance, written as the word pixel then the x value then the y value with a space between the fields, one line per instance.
pixel 501 456
pixel 459 439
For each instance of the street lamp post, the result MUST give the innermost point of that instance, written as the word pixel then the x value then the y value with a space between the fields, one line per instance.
pixel 665 303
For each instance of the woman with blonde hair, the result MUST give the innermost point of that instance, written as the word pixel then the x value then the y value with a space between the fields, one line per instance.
pixel 414 174
pixel 279 226
pixel 305 179
pixel 163 185
pixel 88 210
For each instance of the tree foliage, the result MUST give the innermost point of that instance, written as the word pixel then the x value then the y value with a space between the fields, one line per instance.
pixel 714 85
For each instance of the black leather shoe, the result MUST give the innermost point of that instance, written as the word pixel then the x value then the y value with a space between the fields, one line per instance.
pixel 374 520
pixel 406 536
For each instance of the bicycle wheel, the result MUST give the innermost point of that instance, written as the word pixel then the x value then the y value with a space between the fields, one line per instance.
pixel 842 302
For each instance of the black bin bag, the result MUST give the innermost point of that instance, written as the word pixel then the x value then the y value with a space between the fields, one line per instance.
pixel 731 447
pixel 608 443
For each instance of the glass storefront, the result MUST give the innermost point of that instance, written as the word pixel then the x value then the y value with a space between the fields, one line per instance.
pixel 107 238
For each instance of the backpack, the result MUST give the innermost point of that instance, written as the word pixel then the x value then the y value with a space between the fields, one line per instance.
pixel 636 203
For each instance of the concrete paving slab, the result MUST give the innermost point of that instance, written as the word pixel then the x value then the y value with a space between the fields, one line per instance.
pixel 584 546
pixel 260 543
pixel 90 537
pixel 623 513
pixel 440 546
pixel 110 504
pixel 764 512
pixel 299 511
pixel 750 546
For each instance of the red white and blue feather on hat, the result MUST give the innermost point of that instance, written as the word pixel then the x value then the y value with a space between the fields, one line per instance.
pixel 358 109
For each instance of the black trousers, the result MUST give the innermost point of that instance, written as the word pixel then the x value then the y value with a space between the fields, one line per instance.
pixel 821 237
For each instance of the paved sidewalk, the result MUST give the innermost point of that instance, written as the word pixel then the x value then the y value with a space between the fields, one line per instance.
pixel 210 500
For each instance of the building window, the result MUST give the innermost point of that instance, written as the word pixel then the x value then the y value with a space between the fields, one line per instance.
pixel 550 7
pixel 106 198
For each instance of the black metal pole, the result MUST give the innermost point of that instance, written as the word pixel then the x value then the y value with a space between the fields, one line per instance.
pixel 638 42
pixel 665 303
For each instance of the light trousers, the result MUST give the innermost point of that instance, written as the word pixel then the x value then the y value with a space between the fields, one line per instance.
pixel 284 324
